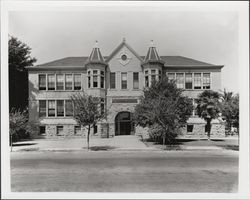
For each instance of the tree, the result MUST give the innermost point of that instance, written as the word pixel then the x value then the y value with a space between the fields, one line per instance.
pixel 230 109
pixel 18 121
pixel 19 58
pixel 87 111
pixel 163 105
pixel 208 107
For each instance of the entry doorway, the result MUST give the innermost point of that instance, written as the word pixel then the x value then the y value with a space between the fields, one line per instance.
pixel 124 124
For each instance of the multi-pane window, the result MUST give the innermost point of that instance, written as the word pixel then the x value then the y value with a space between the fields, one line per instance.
pixel 68 108
pixel 89 80
pixel 112 80
pixel 153 76
pixel 60 108
pixel 95 79
pixel 51 81
pixel 102 79
pixel 180 80
pixel 124 80
pixel 77 82
pixel 42 108
pixel 206 80
pixel 188 81
pixel 68 81
pixel 51 108
pixel 42 81
pixel 171 76
pixel 146 78
pixel 197 80
pixel 136 80
pixel 59 82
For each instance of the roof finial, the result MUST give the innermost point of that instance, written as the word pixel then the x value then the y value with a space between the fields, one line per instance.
pixel 152 43
pixel 123 39
pixel 96 44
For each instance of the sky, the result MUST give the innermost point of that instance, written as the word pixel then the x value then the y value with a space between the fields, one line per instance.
pixel 208 36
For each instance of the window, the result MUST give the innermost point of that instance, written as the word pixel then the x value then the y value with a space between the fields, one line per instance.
pixel 95 79
pixel 102 79
pixel 124 80
pixel 197 80
pixel 42 108
pixel 89 80
pixel 42 81
pixel 69 108
pixel 102 106
pixel 190 128
pixel 59 82
pixel 188 81
pixel 136 80
pixel 153 75
pixel 59 130
pixel 60 108
pixel 95 129
pixel 42 130
pixel 180 80
pixel 171 76
pixel 146 79
pixel 206 80
pixel 77 82
pixel 51 82
pixel 51 108
pixel 68 82
pixel 112 80
pixel 77 130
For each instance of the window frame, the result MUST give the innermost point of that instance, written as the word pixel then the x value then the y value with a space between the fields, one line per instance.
pixel 54 82
pixel 39 109
pixel 111 84
pixel 124 81
pixel 136 82
pixel 40 75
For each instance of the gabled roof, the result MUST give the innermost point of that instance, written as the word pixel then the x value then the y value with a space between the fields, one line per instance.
pixel 170 61
pixel 123 43
pixel 182 61
pixel 68 61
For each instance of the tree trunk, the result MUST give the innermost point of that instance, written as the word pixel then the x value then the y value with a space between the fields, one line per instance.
pixel 209 128
pixel 88 136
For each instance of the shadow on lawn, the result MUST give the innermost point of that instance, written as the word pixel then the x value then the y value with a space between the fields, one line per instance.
pixel 100 148
pixel 23 144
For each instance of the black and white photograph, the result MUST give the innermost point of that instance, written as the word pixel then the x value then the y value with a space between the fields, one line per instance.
pixel 124 100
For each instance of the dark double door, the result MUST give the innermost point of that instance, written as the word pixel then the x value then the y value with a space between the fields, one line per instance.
pixel 124 124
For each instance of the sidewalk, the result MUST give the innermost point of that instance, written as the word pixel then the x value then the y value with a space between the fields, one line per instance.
pixel 119 143
pixel 75 144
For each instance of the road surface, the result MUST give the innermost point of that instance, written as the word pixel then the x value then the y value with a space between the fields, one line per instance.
pixel 159 171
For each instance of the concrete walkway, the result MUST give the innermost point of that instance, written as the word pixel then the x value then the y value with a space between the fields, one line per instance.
pixel 129 142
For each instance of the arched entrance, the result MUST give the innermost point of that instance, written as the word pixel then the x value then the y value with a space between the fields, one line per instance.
pixel 124 124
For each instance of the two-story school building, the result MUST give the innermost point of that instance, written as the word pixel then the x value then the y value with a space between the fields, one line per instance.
pixel 118 80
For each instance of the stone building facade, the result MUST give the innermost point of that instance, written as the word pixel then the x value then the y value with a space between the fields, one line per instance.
pixel 118 80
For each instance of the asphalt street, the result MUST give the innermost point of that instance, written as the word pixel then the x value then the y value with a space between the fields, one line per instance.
pixel 159 171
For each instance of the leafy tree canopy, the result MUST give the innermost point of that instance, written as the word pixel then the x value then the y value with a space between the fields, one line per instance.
pixel 163 104
pixel 19 58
